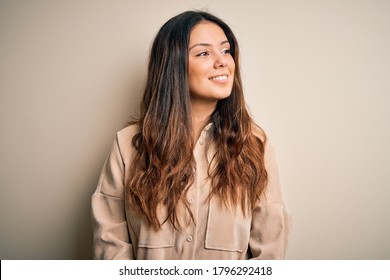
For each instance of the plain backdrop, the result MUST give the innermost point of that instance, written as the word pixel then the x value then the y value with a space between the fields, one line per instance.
pixel 316 77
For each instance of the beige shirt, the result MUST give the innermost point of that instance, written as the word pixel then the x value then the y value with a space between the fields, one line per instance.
pixel 218 233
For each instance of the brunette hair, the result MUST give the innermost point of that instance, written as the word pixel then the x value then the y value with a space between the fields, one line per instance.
pixel 163 167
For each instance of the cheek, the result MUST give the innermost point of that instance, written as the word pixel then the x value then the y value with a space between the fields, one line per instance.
pixel 197 73
pixel 232 65
pixel 191 70
pixel 193 79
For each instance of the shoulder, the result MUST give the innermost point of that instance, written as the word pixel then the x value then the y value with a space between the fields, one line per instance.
pixel 258 132
pixel 269 148
pixel 128 132
pixel 124 138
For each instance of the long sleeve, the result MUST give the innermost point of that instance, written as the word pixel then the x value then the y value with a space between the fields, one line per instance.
pixel 270 219
pixel 111 236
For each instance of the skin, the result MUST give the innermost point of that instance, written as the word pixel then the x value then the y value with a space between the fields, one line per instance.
pixel 209 56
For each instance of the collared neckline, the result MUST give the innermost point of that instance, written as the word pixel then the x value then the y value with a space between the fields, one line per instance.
pixel 203 137
pixel 207 127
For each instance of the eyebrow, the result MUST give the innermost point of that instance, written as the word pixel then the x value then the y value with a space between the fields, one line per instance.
pixel 206 44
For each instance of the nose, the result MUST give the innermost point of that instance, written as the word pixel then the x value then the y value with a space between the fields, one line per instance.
pixel 220 61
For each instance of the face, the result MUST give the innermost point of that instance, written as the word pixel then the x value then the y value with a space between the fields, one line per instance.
pixel 210 66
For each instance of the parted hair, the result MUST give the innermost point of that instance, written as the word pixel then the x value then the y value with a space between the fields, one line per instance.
pixel 163 167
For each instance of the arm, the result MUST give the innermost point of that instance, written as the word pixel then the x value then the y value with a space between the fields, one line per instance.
pixel 111 237
pixel 270 219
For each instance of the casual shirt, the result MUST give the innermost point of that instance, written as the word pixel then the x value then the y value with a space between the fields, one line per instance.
pixel 217 232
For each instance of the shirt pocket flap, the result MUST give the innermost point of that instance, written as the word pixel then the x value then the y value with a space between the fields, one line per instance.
pixel 227 229
pixel 149 238
pixel 146 235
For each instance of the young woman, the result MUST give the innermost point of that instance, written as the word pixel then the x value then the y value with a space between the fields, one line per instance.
pixel 194 177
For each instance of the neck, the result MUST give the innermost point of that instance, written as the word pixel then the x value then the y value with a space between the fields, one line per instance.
pixel 201 113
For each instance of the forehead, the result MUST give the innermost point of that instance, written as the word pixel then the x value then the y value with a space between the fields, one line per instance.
pixel 207 32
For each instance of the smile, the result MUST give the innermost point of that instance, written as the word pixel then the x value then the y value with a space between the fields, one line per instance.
pixel 219 78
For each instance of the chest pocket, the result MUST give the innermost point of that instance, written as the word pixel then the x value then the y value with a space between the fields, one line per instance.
pixel 149 238
pixel 146 236
pixel 227 229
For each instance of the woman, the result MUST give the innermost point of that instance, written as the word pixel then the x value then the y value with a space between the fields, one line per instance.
pixel 194 177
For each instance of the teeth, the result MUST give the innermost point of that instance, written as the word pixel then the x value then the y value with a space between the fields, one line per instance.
pixel 219 78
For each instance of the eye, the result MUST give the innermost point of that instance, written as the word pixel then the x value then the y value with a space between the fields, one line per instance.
pixel 226 51
pixel 203 54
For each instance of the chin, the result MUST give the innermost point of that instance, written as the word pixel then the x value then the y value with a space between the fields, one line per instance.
pixel 223 95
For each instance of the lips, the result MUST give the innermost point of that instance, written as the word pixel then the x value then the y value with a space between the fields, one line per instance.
pixel 219 78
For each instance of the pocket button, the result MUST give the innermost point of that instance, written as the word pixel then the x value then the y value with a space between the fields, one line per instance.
pixel 189 238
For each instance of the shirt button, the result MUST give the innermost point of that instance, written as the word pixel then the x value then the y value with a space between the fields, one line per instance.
pixel 189 238
pixel 201 142
pixel 191 200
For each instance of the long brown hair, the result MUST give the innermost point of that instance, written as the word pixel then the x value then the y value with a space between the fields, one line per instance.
pixel 163 167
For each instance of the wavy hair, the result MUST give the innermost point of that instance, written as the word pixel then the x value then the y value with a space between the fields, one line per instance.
pixel 163 168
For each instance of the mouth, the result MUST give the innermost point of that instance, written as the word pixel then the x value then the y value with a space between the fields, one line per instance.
pixel 220 78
